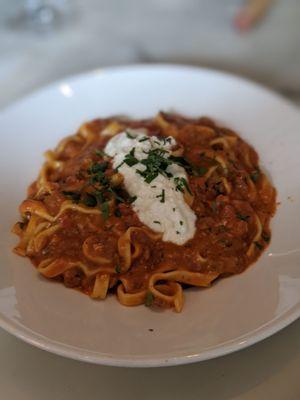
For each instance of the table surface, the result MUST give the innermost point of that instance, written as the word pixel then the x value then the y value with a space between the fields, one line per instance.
pixel 268 370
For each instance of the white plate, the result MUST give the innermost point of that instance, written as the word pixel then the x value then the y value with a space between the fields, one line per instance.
pixel 237 311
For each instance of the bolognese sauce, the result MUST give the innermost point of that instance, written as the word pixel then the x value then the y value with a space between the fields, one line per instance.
pixel 142 208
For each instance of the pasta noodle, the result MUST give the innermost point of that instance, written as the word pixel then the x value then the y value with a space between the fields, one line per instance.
pixel 82 223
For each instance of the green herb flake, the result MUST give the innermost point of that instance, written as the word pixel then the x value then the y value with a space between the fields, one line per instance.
pixel 218 187
pixel 201 171
pixel 98 167
pixel 74 196
pixel 149 299
pixel 182 162
pixel 243 217
pixel 255 175
pixel 150 177
pixel 155 163
pixel 130 159
pixel 144 139
pixel 118 269
pixel 178 233
pixel 129 135
pixel 181 184
pixel 105 210
pixel 186 185
pixel 157 222
pixel 118 213
pixel 265 237
pixel 161 196
pixel 258 245
pixel 89 200
pixel 100 153
pixel 214 206
pixel 181 223
pixel 97 174
pixel 21 225
pixel 132 199
pixel 119 198
pixel 174 209
pixel 99 194
pixel 118 166
pixel 162 200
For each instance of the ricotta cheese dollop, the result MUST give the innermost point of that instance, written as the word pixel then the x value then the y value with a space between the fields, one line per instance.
pixel 159 203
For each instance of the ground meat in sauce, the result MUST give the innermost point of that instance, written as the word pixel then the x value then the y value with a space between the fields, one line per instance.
pixel 225 221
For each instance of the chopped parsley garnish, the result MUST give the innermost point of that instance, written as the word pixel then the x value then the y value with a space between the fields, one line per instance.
pixel 98 167
pixel 157 222
pixel 182 162
pixel 144 139
pixel 130 159
pixel 181 222
pixel 258 245
pixel 166 140
pixel 174 209
pixel 118 213
pixel 214 206
pixel 116 195
pixel 98 190
pixel 201 171
pixel 118 269
pixel 99 194
pixel 161 196
pixel 129 135
pixel 255 175
pixel 149 299
pixel 89 200
pixel 242 217
pixel 178 233
pixel 181 184
pixel 186 185
pixel 265 237
pixel 100 153
pixel 156 163
pixel 153 187
pixel 218 187
pixel 74 196
pixel 132 199
pixel 105 210
pixel 21 225
pixel 97 174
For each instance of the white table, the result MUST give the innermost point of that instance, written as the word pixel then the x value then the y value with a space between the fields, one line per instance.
pixel 268 370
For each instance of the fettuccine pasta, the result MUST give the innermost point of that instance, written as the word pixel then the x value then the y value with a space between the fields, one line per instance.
pixel 144 209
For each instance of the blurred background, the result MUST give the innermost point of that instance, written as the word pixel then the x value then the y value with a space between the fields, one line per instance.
pixel 45 40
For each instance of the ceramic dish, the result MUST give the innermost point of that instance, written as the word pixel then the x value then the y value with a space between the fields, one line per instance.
pixel 237 311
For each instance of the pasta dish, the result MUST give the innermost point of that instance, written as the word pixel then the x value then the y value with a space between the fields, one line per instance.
pixel 146 208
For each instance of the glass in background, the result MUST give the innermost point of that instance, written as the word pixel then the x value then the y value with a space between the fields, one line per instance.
pixel 39 15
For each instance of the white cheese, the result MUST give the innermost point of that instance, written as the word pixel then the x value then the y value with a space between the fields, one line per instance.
pixel 172 217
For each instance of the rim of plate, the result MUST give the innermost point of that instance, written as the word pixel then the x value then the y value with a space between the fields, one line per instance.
pixel 76 353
